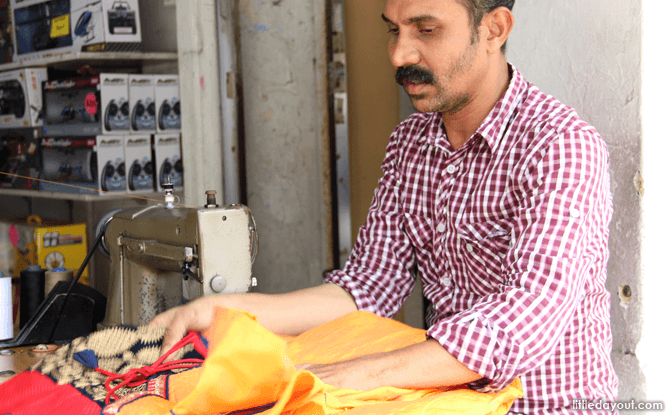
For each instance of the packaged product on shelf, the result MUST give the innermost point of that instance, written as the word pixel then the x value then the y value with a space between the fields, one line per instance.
pixel 70 165
pixel 72 107
pixel 168 117
pixel 62 28
pixel 111 164
pixel 21 97
pixel 20 159
pixel 139 163
pixel 87 106
pixel 168 161
pixel 115 105
pixel 143 107
pixel 6 34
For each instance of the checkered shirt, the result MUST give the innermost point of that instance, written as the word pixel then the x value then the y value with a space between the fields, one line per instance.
pixel 509 236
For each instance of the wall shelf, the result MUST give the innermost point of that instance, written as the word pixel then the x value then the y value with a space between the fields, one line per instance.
pixel 75 59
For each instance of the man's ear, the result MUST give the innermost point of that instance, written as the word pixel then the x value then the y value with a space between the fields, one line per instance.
pixel 497 24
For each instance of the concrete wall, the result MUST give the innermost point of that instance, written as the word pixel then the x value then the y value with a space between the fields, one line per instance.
pixel 287 143
pixel 588 55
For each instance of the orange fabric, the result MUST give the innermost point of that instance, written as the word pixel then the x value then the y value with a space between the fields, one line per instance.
pixel 249 367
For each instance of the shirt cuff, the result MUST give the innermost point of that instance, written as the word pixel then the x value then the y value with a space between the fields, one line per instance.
pixel 474 342
pixel 363 300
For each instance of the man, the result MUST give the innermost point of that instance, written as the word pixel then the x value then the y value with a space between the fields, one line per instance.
pixel 499 196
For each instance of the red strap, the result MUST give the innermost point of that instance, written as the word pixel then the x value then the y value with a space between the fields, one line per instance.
pixel 136 377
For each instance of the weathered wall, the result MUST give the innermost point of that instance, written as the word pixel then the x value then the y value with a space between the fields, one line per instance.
pixel 283 57
pixel 587 54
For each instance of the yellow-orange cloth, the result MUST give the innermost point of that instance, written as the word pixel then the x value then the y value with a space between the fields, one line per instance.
pixel 249 367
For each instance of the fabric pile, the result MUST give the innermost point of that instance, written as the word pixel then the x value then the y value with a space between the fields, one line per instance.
pixel 236 367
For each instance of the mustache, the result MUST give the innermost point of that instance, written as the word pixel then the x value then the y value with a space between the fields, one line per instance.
pixel 415 74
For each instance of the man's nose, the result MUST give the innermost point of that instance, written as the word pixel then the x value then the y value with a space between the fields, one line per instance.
pixel 403 52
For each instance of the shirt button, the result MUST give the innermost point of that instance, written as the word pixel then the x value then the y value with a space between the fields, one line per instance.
pixel 441 227
pixel 469 248
pixel 451 169
pixel 446 282
pixel 574 213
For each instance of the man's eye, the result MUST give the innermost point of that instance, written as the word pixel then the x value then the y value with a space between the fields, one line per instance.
pixel 426 30
pixel 393 30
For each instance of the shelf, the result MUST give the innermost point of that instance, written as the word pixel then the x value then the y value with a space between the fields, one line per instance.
pixel 114 59
pixel 82 197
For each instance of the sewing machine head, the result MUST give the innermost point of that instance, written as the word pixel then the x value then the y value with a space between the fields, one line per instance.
pixel 163 255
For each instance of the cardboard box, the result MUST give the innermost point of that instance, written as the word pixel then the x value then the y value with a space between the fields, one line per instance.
pixel 61 28
pixel 139 163
pixel 168 116
pixel 167 157
pixel 21 94
pixel 115 105
pixel 141 92
pixel 69 165
pixel 72 107
pixel 87 106
pixel 111 164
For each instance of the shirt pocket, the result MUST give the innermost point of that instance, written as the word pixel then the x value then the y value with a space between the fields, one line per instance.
pixel 484 245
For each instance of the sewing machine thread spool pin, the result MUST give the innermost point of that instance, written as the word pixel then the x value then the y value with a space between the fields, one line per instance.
pixel 211 199
pixel 169 194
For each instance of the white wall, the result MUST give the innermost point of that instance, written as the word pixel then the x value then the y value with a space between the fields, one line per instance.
pixel 652 349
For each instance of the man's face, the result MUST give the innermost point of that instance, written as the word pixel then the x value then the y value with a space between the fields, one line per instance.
pixel 432 50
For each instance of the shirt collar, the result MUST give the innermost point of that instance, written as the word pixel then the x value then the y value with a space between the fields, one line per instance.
pixel 494 124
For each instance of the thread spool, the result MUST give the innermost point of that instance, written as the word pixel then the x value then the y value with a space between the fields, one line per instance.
pixel 53 277
pixel 32 292
pixel 6 320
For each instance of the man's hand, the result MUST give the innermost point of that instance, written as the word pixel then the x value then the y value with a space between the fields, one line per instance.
pixel 196 315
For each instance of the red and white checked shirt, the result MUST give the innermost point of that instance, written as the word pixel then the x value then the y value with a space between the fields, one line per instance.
pixel 509 237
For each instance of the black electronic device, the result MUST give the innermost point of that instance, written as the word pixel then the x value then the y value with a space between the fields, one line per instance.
pixel 143 116
pixel 59 321
pixel 141 176
pixel 116 115
pixel 12 99
pixel 121 19
pixel 113 176
pixel 169 117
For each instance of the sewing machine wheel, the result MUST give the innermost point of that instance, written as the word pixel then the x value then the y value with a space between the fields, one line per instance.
pixel 101 227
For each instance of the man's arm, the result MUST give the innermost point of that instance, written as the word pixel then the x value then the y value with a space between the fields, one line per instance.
pixel 422 365
pixel 291 313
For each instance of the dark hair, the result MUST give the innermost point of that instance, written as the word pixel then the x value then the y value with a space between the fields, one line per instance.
pixel 478 8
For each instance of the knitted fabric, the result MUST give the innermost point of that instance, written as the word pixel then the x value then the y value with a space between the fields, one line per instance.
pixel 117 349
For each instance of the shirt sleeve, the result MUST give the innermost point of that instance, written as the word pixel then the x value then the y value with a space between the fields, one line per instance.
pixel 558 247
pixel 378 273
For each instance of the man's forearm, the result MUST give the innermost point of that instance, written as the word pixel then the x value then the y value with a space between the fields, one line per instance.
pixel 291 313
pixel 423 365
pixel 298 311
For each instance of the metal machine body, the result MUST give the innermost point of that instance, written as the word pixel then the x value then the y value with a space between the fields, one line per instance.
pixel 163 256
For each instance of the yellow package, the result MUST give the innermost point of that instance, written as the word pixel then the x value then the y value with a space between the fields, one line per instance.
pixel 62 246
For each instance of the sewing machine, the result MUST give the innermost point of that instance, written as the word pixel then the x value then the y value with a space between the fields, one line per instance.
pixel 164 255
